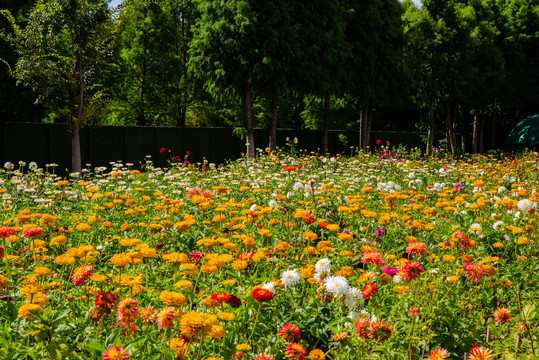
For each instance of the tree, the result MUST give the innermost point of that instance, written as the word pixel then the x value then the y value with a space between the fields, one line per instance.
pixel 376 71
pixel 60 50
pixel 223 53
pixel 156 86
pixel 17 101
pixel 322 52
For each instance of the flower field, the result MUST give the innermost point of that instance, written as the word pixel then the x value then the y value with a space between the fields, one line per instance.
pixel 374 256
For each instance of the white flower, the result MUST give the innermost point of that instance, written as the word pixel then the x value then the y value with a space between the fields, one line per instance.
pixel 298 186
pixel 323 265
pixel 290 278
pixel 253 207
pixel 269 286
pixel 9 166
pixel 311 185
pixel 272 204
pixel 475 227
pixel 498 225
pixel 337 285
pixel 501 189
pixel 33 166
pixel 295 140
pixel 524 205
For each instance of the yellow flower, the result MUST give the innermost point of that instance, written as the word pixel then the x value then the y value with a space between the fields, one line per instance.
pixel 226 316
pixel 83 227
pixel 498 245
pixel 179 345
pixel 522 240
pixel 172 298
pixel 243 347
pixel 216 332
pixel 239 264
pixel 3 282
pixel 333 227
pixel 184 284
pixel 120 260
pixel 317 354
pixel 64 260
pixel 25 311
pixel 176 257
pixel 193 324
pixel 283 246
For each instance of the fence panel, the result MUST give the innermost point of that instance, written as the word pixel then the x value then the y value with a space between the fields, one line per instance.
pixel 100 145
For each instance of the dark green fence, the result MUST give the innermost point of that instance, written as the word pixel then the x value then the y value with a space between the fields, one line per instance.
pixel 51 143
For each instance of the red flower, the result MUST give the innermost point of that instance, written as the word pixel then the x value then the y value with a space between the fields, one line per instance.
pixel 196 256
pixel 416 247
pixel 372 257
pixel 289 332
pixel 362 327
pixel 115 353
pixel 162 150
pixel 33 231
pixel 6 231
pixel 289 168
pixel 295 351
pixel 323 224
pixel 221 297
pixel 176 158
pixel 369 290
pixel 234 301
pixel 262 295
pixel 80 274
pixel 410 271
pixel 105 300
pixel 378 142
pixel 309 219
pixel 474 272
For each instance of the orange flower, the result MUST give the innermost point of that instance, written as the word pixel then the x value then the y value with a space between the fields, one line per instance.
pixel 361 326
pixel 410 271
pixel 295 351
pixel 115 353
pixel 289 332
pixel 369 290
pixel 416 247
pixel 80 274
pixel 127 310
pixel 480 353
pixel 502 315
pixel 438 354
pixel 474 272
pixel 166 317
pixel 372 257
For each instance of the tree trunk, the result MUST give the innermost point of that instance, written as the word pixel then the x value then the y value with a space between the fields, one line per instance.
pixel 273 125
pixel 475 133
pixel 481 148
pixel 181 111
pixel 430 130
pixel 450 124
pixel 76 163
pixel 368 126
pixel 325 135
pixel 364 126
pixel 493 127
pixel 247 108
